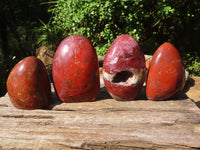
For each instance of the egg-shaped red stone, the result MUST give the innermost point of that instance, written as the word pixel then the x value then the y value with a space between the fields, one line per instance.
pixel 76 70
pixel 166 73
pixel 28 84
pixel 124 68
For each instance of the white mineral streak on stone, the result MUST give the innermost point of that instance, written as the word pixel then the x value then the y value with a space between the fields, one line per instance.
pixel 116 97
pixel 135 79
pixel 107 76
pixel 113 52
pixel 114 61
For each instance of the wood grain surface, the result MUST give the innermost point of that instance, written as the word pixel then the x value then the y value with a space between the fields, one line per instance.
pixel 103 124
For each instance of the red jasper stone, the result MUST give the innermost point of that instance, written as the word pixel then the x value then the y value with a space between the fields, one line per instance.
pixel 28 84
pixel 166 73
pixel 76 70
pixel 124 68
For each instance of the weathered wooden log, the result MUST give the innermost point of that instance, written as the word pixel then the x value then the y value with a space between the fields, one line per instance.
pixel 103 124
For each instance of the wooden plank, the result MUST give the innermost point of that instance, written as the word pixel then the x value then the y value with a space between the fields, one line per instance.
pixel 192 89
pixel 103 124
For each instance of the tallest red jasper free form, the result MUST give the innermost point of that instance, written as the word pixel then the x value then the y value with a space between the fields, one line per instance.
pixel 76 70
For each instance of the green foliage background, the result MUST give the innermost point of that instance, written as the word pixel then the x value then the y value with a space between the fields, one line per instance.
pixel 150 22
pixel 27 24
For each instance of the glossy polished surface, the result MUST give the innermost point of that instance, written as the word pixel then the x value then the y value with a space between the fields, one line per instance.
pixel 28 85
pixel 124 68
pixel 166 74
pixel 76 70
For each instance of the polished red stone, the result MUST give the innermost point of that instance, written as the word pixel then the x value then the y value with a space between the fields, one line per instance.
pixel 124 68
pixel 76 70
pixel 166 73
pixel 28 84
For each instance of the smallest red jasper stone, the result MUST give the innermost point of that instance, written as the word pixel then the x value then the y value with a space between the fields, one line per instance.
pixel 166 74
pixel 28 84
